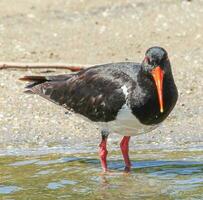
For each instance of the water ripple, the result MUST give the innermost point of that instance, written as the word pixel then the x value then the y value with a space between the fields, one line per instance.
pixel 8 189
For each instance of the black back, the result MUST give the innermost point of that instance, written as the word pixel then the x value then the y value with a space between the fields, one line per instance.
pixel 97 92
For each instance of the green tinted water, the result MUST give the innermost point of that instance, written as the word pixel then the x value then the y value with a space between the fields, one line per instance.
pixel 155 175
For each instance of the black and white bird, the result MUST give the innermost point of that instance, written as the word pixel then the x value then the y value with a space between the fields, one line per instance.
pixel 126 97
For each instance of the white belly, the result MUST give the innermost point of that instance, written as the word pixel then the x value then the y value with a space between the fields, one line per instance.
pixel 127 124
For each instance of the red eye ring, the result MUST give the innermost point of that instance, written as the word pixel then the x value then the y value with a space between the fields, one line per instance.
pixel 147 59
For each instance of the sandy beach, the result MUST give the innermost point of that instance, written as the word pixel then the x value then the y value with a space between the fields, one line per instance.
pixel 92 32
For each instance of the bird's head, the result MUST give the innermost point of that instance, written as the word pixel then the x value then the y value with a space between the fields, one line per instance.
pixel 156 64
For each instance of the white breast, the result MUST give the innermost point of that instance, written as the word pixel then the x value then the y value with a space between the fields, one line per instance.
pixel 126 123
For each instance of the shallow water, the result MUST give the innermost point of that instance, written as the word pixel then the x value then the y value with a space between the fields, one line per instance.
pixel 155 175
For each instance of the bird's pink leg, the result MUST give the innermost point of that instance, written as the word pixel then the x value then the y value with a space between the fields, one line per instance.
pixel 103 154
pixel 125 149
pixel 103 150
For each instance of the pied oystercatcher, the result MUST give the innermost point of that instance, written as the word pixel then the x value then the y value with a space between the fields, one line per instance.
pixel 126 97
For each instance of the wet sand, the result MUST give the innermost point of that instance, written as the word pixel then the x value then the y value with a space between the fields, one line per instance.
pixel 91 32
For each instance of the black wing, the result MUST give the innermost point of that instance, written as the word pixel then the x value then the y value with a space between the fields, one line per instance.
pixel 96 95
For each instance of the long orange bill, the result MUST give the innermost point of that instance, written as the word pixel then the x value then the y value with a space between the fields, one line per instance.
pixel 158 75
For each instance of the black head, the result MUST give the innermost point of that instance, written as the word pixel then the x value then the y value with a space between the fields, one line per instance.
pixel 156 64
pixel 155 56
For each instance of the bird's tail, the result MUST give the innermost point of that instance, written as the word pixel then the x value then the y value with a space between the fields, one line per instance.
pixel 33 81
pixel 39 80
pixel 33 78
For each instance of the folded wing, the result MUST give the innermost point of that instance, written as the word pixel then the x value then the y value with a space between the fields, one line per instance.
pixel 97 96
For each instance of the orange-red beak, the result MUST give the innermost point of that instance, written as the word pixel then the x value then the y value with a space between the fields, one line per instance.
pixel 158 75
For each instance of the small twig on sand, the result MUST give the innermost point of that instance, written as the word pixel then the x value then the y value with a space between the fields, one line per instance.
pixel 25 66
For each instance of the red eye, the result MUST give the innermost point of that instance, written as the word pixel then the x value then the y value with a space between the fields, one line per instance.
pixel 147 59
